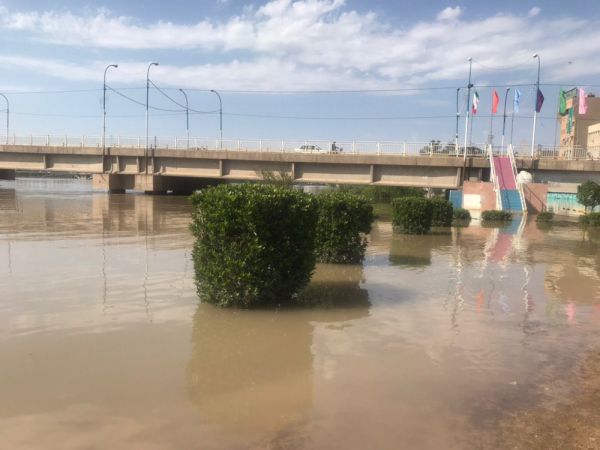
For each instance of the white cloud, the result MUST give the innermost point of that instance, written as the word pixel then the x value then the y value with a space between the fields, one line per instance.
pixel 315 44
pixel 535 11
pixel 450 13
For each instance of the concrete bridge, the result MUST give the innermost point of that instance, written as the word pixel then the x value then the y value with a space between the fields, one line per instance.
pixel 175 169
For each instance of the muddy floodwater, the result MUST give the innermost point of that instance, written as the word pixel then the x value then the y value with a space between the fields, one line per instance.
pixel 464 339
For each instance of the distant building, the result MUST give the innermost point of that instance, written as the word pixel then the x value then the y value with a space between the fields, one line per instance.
pixel 575 138
pixel 593 140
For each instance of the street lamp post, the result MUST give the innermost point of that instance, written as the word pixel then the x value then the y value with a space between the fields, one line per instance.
pixel 504 117
pixel 104 113
pixel 537 90
pixel 7 114
pixel 187 118
pixel 220 118
pixel 147 100
pixel 469 86
pixel 457 118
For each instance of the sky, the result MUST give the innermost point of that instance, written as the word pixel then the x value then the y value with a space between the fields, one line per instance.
pixel 307 69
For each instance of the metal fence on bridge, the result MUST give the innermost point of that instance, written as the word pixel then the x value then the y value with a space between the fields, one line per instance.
pixel 432 148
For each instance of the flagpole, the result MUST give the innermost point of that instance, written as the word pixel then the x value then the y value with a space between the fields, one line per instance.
pixel 504 117
pixel 537 90
pixel 469 86
pixel 491 136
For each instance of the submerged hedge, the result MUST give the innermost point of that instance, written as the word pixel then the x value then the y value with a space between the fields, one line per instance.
pixel 590 219
pixel 344 220
pixel 412 215
pixel 461 215
pixel 255 244
pixel 441 211
pixel 496 216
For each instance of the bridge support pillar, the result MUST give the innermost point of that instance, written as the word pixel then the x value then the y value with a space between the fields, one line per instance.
pixel 112 182
pixel 7 174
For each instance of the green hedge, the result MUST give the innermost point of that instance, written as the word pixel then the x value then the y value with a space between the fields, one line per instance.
pixel 255 244
pixel 590 219
pixel 344 220
pixel 496 216
pixel 461 214
pixel 441 210
pixel 545 217
pixel 412 215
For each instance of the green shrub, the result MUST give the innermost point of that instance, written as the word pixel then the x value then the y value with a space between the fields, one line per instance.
pixel 461 214
pixel 496 216
pixel 590 219
pixel 588 194
pixel 412 215
pixel 441 212
pixel 255 244
pixel 383 194
pixel 344 220
pixel 545 217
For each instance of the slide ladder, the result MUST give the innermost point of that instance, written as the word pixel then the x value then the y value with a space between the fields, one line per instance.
pixel 508 194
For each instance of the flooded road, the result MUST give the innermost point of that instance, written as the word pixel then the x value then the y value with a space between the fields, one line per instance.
pixel 440 341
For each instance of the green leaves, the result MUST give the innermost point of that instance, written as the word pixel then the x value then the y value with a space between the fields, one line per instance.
pixel 441 211
pixel 412 215
pixel 344 221
pixel 588 194
pixel 255 244
pixel 496 216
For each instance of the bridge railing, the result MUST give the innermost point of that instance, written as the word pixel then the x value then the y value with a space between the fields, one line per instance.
pixel 404 148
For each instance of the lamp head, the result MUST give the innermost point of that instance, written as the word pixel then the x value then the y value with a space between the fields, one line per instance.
pixel 535 55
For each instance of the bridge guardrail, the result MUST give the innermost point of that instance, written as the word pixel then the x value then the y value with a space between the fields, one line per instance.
pixel 404 148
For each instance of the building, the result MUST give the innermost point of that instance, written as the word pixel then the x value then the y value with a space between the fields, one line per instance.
pixel 593 140
pixel 574 136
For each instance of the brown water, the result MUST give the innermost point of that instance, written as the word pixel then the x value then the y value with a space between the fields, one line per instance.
pixel 103 343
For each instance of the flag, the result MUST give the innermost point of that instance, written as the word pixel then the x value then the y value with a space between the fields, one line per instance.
pixel 475 102
pixel 570 122
pixel 495 100
pixel 539 101
pixel 562 103
pixel 582 102
pixel 517 101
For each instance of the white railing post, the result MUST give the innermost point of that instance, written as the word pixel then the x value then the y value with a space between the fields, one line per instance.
pixel 31 139
pixel 196 143
pixel 260 145
pixel 66 142
pixel 404 148
pixel 47 140
pixel 353 147
pixel 282 146
pixel 83 141
pixel 238 145
pixel 378 148
pixel 176 142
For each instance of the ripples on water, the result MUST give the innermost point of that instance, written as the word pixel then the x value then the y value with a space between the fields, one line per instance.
pixel 103 343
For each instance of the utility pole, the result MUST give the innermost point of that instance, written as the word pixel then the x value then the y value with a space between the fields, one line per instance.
pixel 147 100
pixel 504 117
pixel 220 118
pixel 537 90
pixel 469 86
pixel 187 118
pixel 7 115
pixel 104 114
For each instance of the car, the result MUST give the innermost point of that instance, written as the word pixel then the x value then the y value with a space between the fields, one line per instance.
pixel 309 149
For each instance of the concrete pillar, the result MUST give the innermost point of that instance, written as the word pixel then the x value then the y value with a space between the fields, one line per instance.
pixel 7 174
pixel 150 184
pixel 112 182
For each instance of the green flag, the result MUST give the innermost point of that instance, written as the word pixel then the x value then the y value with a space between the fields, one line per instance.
pixel 570 122
pixel 562 103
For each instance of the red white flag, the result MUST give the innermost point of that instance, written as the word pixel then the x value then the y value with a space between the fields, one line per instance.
pixel 495 100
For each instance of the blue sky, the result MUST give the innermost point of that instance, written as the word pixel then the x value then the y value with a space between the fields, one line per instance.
pixel 307 45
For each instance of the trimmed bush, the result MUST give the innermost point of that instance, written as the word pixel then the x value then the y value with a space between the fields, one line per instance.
pixel 590 219
pixel 496 216
pixel 255 244
pixel 588 194
pixel 344 220
pixel 461 214
pixel 441 210
pixel 545 217
pixel 412 215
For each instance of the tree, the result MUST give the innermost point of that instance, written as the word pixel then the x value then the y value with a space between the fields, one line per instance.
pixel 588 194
